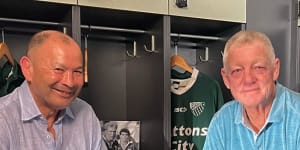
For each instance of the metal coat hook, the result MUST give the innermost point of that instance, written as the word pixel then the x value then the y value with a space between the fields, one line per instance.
pixel 152 50
pixel 175 42
pixel 205 59
pixel 65 30
pixel 176 48
pixel 222 53
pixel 134 50
pixel 85 40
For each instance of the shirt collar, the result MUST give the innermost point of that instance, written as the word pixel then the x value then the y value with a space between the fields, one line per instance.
pixel 29 109
pixel 239 114
pixel 277 109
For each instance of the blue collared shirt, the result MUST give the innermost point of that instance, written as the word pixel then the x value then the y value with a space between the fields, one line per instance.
pixel 227 130
pixel 22 126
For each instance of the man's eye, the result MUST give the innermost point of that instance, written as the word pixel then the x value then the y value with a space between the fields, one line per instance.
pixel 58 70
pixel 260 69
pixel 236 71
pixel 78 72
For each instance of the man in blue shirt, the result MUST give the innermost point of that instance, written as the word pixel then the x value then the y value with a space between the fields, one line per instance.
pixel 264 115
pixel 44 113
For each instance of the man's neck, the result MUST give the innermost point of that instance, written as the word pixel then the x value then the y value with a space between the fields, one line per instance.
pixel 257 116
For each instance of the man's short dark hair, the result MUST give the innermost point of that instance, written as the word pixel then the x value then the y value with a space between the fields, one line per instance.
pixel 125 130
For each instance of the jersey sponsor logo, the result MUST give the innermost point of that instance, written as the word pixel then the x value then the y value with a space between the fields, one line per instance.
pixel 180 109
pixel 182 145
pixel 197 108
pixel 181 131
pixel 189 131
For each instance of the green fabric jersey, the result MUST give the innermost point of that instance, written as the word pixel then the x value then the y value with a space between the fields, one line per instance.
pixel 194 100
pixel 11 77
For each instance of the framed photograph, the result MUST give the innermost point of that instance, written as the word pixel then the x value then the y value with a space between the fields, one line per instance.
pixel 121 135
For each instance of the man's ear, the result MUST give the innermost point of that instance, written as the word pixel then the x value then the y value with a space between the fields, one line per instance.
pixel 276 69
pixel 225 78
pixel 26 67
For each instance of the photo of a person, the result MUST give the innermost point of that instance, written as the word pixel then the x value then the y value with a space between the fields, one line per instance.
pixel 126 142
pixel 120 135
pixel 109 131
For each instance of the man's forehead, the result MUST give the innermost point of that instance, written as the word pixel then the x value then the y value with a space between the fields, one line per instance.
pixel 111 129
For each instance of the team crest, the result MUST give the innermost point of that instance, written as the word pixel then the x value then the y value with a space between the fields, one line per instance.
pixel 197 108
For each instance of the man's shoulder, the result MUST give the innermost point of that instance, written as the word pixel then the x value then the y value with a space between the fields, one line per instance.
pixel 290 97
pixel 232 105
pixel 9 102
pixel 80 106
pixel 229 110
pixel 10 112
